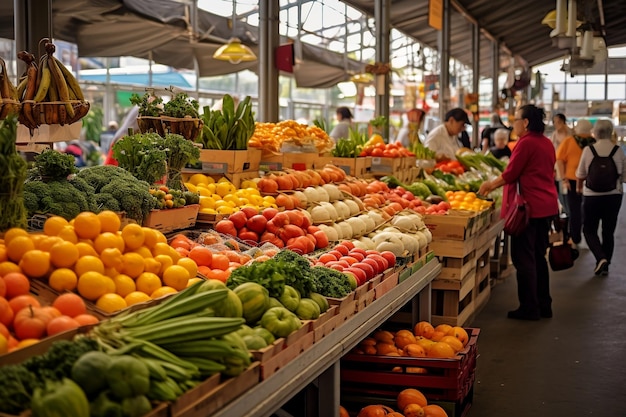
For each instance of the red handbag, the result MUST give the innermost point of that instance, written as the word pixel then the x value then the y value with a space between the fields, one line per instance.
pixel 517 217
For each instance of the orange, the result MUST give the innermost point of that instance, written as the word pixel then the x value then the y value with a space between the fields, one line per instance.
pixel 18 246
pixel 92 285
pixel 161 248
pixel 8 267
pixel 150 237
pixel 176 276
pixel 160 237
pixel 136 297
pixel 35 263
pixel 12 233
pixel 112 258
pixel 412 410
pixel 124 285
pixel 454 343
pixel 70 304
pixel 87 225
pixel 85 248
pixel 111 303
pixel 133 236
pixel 152 265
pixel 143 251
pixel 459 333
pixel 47 242
pixel 189 265
pixel 63 254
pixel 16 284
pixel 204 257
pixel 165 261
pixel 148 282
pixel 85 319
pixel 174 255
pixel 443 328
pixel 164 290
pixel 434 410
pixel 4 345
pixel 424 329
pixel 220 261
pixel 88 263
pixel 132 265
pixel 109 221
pixel 53 225
pixel 63 279
pixel 68 233
pixel 26 342
pixel 111 272
pixel 215 273
pixel 108 240
pixel 440 350
pixel 3 254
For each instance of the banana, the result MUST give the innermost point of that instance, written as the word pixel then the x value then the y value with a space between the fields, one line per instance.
pixel 44 84
pixel 72 83
pixel 21 88
pixel 53 92
pixel 29 90
pixel 61 86
pixel 5 90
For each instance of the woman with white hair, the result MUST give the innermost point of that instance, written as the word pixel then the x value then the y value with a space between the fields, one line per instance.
pixel 567 157
pixel 602 195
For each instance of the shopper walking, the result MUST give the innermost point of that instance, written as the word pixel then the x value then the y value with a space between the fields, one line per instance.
pixel 567 157
pixel 532 166
pixel 561 131
pixel 601 206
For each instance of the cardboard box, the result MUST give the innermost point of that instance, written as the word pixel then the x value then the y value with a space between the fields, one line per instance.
pixel 356 167
pixel 456 225
pixel 214 161
pixel 386 166
pixel 299 161
pixel 168 220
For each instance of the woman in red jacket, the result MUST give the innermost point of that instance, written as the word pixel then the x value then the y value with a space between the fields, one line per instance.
pixel 532 165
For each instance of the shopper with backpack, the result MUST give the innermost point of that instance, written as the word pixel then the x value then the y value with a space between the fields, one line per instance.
pixel 600 174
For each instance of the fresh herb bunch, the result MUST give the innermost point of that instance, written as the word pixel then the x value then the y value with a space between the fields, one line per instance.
pixel 12 176
pixel 322 124
pixel 180 152
pixel 181 105
pixel 228 129
pixel 350 147
pixel 149 105
pixel 54 165
pixel 379 121
pixel 142 155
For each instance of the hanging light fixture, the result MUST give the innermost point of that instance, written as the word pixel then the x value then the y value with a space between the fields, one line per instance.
pixel 234 52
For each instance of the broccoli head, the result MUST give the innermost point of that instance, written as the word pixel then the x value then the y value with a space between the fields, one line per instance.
pixel 133 197
pixel 106 201
pixel 88 191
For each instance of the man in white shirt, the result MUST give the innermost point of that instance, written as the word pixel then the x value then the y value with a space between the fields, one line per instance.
pixel 443 139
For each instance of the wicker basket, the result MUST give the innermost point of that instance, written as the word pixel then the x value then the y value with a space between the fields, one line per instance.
pixel 55 112
pixel 8 106
pixel 149 124
pixel 187 127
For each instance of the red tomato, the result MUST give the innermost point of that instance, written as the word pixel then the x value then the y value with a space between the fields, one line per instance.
pixel 377 152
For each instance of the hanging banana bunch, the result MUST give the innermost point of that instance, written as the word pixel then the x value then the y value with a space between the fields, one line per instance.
pixel 9 102
pixel 50 93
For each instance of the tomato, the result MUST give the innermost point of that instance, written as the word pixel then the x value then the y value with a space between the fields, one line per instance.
pixel 377 152
pixel 226 227
pixel 380 146
pixel 257 223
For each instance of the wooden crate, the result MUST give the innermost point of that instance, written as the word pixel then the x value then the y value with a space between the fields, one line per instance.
pixel 452 301
pixel 453 248
pixel 194 395
pixel 387 284
pixel 213 161
pixel 299 161
pixel 449 379
pixel 286 355
pixel 357 167
pixel 225 392
pixel 386 166
pixel 456 225
pixel 168 220
pixel 456 268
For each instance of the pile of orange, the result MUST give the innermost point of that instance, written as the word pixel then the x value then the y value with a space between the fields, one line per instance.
pixel 424 340
pixel 91 255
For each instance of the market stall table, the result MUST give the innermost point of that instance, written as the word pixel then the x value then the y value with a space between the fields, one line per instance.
pixel 321 361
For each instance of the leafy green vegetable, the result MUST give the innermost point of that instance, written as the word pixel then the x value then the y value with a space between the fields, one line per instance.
pixel 350 147
pixel 12 176
pixel 229 128
pixel 181 105
pixel 330 282
pixel 54 165
pixel 142 155
pixel 179 151
pixel 149 105
pixel 297 270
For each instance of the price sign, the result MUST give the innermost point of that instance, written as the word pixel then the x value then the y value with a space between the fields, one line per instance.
pixel 214 167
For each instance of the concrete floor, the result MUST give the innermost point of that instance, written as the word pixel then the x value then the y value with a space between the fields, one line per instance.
pixel 573 364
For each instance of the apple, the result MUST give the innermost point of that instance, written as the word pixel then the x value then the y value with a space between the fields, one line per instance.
pixel 295 217
pixel 390 257
pixel 335 253
pixel 375 266
pixel 349 259
pixel 358 250
pixel 291 231
pixel 281 219
pixel 250 211
pixel 342 249
pixel 321 240
pixel 382 262
pixel 343 263
pixel 356 255
pixel 335 267
pixel 352 279
pixel 269 213
pixel 248 236
pixel 348 244
pixel 257 223
pixel 327 257
pixel 368 269
pixel 226 227
pixel 360 275
pixel 239 219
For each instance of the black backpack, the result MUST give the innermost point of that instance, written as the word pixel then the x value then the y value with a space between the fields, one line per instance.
pixel 602 174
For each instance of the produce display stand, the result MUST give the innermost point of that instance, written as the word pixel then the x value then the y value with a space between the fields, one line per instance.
pixel 321 361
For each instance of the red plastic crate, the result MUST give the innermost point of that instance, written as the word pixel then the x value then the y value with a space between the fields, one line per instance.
pixel 444 379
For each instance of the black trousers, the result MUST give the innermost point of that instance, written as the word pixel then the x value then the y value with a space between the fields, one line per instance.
pixel 528 253
pixel 596 209
pixel 574 207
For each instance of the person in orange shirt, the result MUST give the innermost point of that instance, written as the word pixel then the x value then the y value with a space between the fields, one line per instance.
pixel 567 157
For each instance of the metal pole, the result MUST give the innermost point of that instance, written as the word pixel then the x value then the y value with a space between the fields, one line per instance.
pixel 475 78
pixel 382 11
pixel 444 57
pixel 268 76
pixel 495 68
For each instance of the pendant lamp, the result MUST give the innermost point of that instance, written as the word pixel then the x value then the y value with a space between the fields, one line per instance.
pixel 234 52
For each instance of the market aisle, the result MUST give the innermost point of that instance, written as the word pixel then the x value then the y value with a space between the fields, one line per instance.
pixel 570 365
